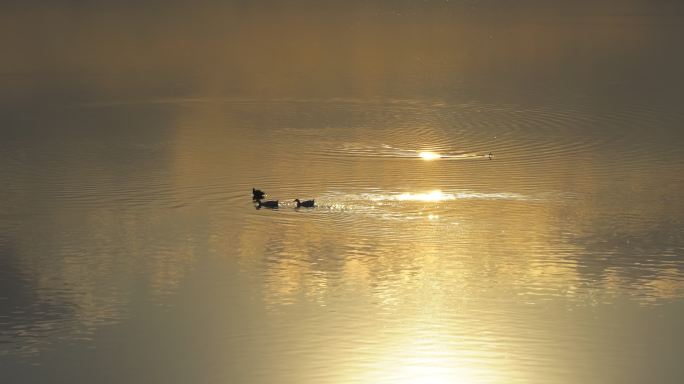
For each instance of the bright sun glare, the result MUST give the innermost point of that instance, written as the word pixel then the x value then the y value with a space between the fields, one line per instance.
pixel 429 155
pixel 435 195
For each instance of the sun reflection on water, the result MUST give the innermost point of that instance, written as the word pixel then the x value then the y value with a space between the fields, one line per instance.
pixel 430 358
pixel 435 195
pixel 427 155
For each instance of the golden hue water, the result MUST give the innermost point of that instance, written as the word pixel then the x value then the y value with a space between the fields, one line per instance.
pixel 130 249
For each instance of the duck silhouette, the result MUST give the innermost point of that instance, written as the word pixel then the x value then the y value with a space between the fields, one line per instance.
pixel 267 204
pixel 257 194
pixel 305 203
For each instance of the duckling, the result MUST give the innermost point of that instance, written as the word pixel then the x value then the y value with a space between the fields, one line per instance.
pixel 305 203
pixel 257 194
pixel 267 204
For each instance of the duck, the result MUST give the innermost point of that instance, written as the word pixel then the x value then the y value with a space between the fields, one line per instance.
pixel 267 204
pixel 305 203
pixel 257 194
pixel 490 155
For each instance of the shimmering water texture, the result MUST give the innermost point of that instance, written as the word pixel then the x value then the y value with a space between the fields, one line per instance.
pixel 131 250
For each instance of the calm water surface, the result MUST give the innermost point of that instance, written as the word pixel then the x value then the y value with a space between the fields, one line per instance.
pixel 130 249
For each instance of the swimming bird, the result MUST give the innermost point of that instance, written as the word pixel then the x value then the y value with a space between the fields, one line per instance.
pixel 305 203
pixel 267 204
pixel 257 194
pixel 490 155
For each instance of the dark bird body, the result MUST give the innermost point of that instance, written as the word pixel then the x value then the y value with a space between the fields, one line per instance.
pixel 257 194
pixel 267 204
pixel 305 203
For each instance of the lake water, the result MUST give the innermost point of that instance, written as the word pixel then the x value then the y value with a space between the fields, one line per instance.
pixel 131 250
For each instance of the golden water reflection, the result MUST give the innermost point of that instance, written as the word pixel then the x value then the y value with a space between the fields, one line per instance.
pixel 424 262
pixel 458 257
